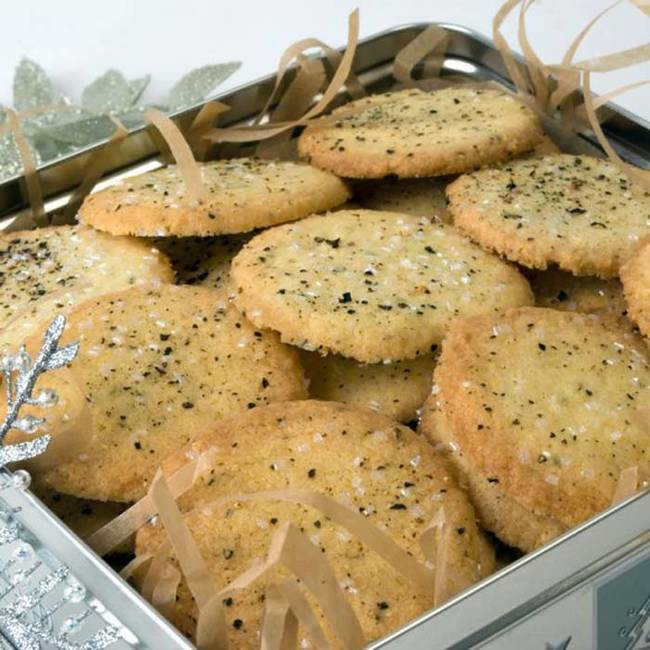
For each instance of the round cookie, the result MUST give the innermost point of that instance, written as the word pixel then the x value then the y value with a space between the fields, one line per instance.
pixel 376 467
pixel 542 410
pixel 243 194
pixel 52 269
pixel 577 212
pixel 374 286
pixel 636 286
pixel 419 197
pixel 396 390
pixel 557 289
pixel 412 133
pixel 84 516
pixel 202 261
pixel 158 366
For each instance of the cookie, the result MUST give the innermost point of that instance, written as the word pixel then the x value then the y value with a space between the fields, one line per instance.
pixel 376 467
pixel 373 286
pixel 636 286
pixel 557 289
pixel 542 410
pixel 158 366
pixel 84 516
pixel 578 212
pixel 396 390
pixel 419 197
pixel 411 133
pixel 243 194
pixel 203 261
pixel 52 269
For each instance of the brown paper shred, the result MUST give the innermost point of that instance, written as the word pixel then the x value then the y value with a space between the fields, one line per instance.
pixel 501 44
pixel 126 524
pixel 292 549
pixel 164 593
pixel 155 570
pixel 195 570
pixel 95 168
pixel 32 182
pixel 202 123
pixel 253 133
pixel 294 596
pixel 294 102
pixel 280 626
pixel 627 486
pixel 358 525
pixel 137 562
pixel 430 46
pixel 181 152
pixel 643 5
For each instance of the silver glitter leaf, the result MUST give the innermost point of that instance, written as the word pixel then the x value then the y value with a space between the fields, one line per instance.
pixel 23 450
pixel 82 132
pixel 32 87
pixel 195 85
pixel 132 119
pixel 110 93
pixel 62 357
pixel 138 86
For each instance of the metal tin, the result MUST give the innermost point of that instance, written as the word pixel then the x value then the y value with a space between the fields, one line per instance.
pixel 587 589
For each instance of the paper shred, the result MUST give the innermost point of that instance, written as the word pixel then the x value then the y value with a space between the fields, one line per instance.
pixel 430 46
pixel 280 625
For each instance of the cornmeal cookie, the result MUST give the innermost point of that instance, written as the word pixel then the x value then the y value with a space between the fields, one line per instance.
pixel 376 467
pixel 420 197
pixel 542 410
pixel 636 285
pixel 203 261
pixel 374 286
pixel 243 194
pixel 412 133
pixel 396 390
pixel 158 366
pixel 557 289
pixel 84 516
pixel 578 212
pixel 52 269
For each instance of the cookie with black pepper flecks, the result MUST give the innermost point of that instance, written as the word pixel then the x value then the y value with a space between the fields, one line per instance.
pixel 242 194
pixel 412 133
pixel 419 197
pixel 373 286
pixel 396 390
pixel 202 261
pixel 635 276
pixel 158 366
pixel 557 289
pixel 541 410
pixel 376 467
pixel 53 269
pixel 577 212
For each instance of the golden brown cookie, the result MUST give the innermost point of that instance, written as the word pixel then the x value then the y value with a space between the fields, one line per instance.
pixel 578 212
pixel 158 366
pixel 202 261
pixel 419 197
pixel 243 194
pixel 542 410
pixel 373 286
pixel 396 390
pixel 557 289
pixel 376 467
pixel 411 133
pixel 636 286
pixel 52 269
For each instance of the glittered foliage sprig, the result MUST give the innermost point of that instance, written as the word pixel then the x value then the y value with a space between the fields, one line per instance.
pixel 20 375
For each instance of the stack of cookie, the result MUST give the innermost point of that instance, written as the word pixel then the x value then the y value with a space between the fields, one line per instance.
pixel 405 304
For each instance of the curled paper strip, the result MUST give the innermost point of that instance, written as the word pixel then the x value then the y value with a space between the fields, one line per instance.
pixel 430 46
pixel 280 625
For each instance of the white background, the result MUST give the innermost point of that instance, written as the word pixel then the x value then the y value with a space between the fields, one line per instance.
pixel 77 40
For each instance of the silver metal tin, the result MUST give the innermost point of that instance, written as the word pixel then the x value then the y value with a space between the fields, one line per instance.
pixel 548 599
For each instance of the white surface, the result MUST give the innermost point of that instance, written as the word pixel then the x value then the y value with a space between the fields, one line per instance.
pixel 77 40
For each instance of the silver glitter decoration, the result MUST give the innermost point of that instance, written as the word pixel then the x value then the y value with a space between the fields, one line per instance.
pixel 20 376
pixel 65 128
pixel 196 85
